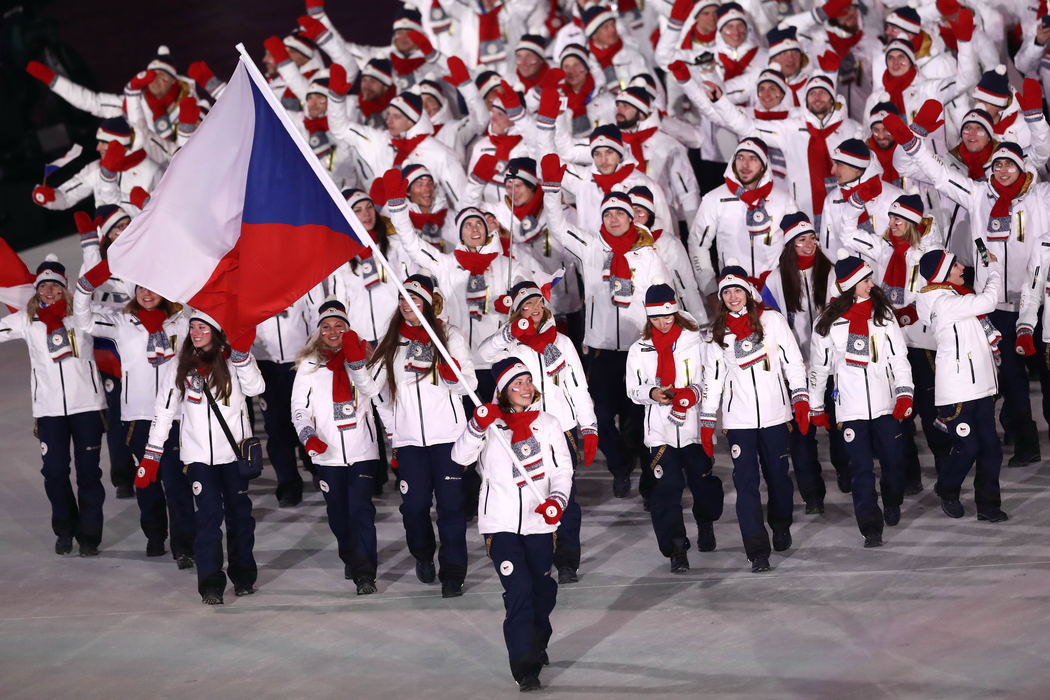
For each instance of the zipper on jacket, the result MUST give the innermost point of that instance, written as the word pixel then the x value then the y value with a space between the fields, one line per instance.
pixel 452 405
pixel 62 377
pixel 372 314
pixel 36 385
pixel 729 406
pixel 591 327
pixel 422 430
pixel 485 511
pixel 91 366
pixel 867 391
pixel 758 406
pixel 973 375
pixel 955 329
pixel 520 506
pixel 280 342
pixel 617 327
pixel 126 387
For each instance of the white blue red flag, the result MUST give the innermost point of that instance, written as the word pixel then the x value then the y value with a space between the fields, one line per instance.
pixel 71 155
pixel 244 222
pixel 17 283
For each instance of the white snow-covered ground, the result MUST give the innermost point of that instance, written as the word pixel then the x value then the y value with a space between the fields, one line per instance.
pixel 946 609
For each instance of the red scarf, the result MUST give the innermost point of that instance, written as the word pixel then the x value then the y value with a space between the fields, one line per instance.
pixel 51 316
pixel 635 141
pixel 405 147
pixel 795 89
pixel 504 145
pixel 520 424
pixel 419 219
pixel 530 208
pixel 539 341
pixel 153 320
pixel 620 247
pixel 770 116
pixel 695 36
pixel 530 83
pixel 1004 124
pixel 819 163
pixel 159 106
pixel 605 56
pixel 488 30
pixel 405 66
pixel 975 162
pixel 858 316
pixel 342 390
pixel 315 125
pixel 475 263
pixel 1006 193
pixel 885 157
pixel 897 86
pixel 734 69
pixel 416 333
pixel 607 182
pixel 366 252
pixel 806 261
pixel 948 35
pixel 740 326
pixel 370 107
pixel 842 45
pixel 656 234
pixel 664 344
pixel 577 101
pixel 752 198
pixel 134 158
pixel 896 274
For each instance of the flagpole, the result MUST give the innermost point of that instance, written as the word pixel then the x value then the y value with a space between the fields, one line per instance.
pixel 362 235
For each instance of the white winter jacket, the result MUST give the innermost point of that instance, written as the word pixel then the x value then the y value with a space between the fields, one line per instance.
pixel 88 183
pixel 281 337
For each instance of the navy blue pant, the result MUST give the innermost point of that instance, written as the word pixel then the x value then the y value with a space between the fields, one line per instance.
pixel 523 563
pixel 923 372
pixel 606 375
pixel 766 449
pixel 121 464
pixel 429 474
pixel 971 426
pixel 169 499
pixel 673 468
pixel 1016 413
pixel 865 439
pixel 77 516
pixel 281 439
pixel 222 494
pixel 808 470
pixel 352 515
pixel 567 538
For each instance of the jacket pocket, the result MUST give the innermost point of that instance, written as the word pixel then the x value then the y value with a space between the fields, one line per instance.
pixel 729 406
pixel 488 487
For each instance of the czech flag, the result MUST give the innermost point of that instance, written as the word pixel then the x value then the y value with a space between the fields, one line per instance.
pixel 17 283
pixel 245 221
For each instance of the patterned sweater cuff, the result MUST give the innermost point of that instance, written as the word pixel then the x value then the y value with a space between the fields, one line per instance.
pixel 306 433
pixel 238 357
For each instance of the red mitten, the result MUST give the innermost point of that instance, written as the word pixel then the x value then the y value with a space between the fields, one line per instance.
pixel 927 119
pixel 244 342
pixel 902 409
pixel 550 510
pixel 552 170
pixel 1030 99
pixel 1024 345
pixel 146 473
pixel 98 274
pixel 680 11
pixel 113 158
pixel 278 51
pixel 963 26
pixel 906 315
pixel 829 62
pixel 551 78
pixel 42 194
pixel 84 224
pixel 520 328
pixel 821 420
pixel 393 185
pixel 707 435
pixel 41 72
pixel 355 348
pixel 870 189
pixel 393 460
pixel 139 197
pixel 509 99
pixel 142 79
pixel 422 43
pixel 948 7
pixel 447 373
pixel 802 416
pixel 550 106
pixel 337 83
pixel 835 8
pixel 377 194
pixel 681 71
pixel 590 447
pixel 457 72
pixel 201 73
pixel 189 112
pixel 314 7
pixel 898 129
pixel 312 28
pixel 315 446
pixel 485 168
pixel 686 398
pixel 485 415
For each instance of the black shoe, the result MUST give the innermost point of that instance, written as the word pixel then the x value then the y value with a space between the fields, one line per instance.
pixel 212 598
pixel 125 492
pixel 646 506
pixel 63 545
pixel 243 590
pixel 425 571
pixel 679 563
pixel 845 483
pixel 567 574
pixel 705 537
pixel 759 565
pixel 155 548
pixel 366 586
pixel 621 486
pixel 814 505
pixel 288 502
pixel 1024 458
pixel 185 561
pixel 88 550
pixel 892 515
pixel 529 684
pixel 993 515
pixel 451 589
pixel 544 659
pixel 781 540
pixel 346 572
pixel 913 488
pixel 872 539
pixel 952 508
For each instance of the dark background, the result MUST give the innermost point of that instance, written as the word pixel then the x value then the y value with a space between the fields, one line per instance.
pixel 102 45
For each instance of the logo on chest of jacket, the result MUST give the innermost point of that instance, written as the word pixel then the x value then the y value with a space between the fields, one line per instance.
pixel 506 568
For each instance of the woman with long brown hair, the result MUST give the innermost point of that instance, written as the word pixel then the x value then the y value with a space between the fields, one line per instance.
pixel 68 404
pixel 858 340
pixel 421 404
pixel 211 364
pixel 755 371
pixel 147 332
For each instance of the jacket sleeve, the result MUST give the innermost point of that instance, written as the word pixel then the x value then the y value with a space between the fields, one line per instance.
pixel 12 326
pixel 821 357
pixel 639 385
pixel 1034 284
pixel 453 177
pixel 294 79
pixel 99 104
pixel 1039 148
pixel 898 360
pixel 164 408
pixel 496 343
pixel 560 471
pixel 866 245
pixel 684 280
pixel 958 308
pixel 95 319
pixel 248 375
pixel 366 385
pixel 572 238
pixel 715 370
pixel 468 446
pixel 702 235
pixel 574 383
pixel 75 189
pixel 956 186
pixel 460 351
pixel 421 253
pixel 684 184
pixel 791 357
pixel 302 406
